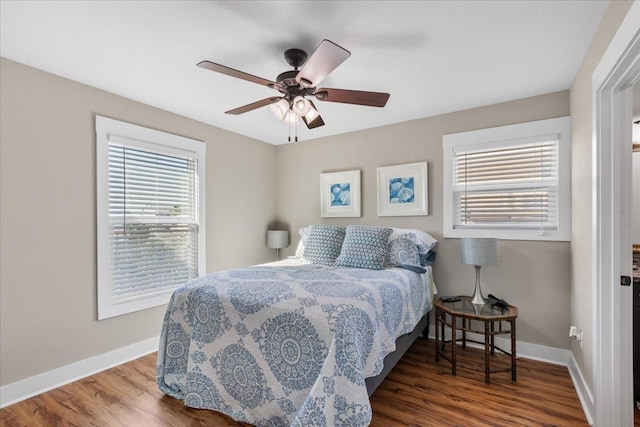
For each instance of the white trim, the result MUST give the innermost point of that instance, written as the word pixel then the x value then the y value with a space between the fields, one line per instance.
pixel 498 137
pixel 37 384
pixel 582 389
pixel 110 130
pixel 541 353
pixel 611 81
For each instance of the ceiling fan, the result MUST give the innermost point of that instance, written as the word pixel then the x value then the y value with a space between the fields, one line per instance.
pixel 296 85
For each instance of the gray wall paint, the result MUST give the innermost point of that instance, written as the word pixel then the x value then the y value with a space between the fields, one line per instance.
pixel 48 265
pixel 534 276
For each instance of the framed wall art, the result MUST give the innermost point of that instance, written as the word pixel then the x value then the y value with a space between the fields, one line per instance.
pixel 403 190
pixel 340 194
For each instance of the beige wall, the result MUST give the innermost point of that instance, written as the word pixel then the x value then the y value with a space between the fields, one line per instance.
pixel 532 275
pixel 48 216
pixel 582 304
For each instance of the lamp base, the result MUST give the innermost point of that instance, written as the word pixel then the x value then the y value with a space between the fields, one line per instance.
pixel 477 297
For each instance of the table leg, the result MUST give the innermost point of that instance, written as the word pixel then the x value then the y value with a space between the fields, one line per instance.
pixel 438 320
pixel 513 350
pixel 464 332
pixel 453 345
pixel 486 351
pixel 493 342
pixel 443 319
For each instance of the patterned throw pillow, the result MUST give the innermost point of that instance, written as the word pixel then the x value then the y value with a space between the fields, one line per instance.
pixel 323 243
pixel 403 250
pixel 364 247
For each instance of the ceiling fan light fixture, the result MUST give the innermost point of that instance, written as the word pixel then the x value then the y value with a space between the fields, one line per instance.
pixel 279 109
pixel 300 106
pixel 312 114
pixel 290 119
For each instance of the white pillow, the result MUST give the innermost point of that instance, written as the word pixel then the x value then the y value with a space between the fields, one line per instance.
pixel 304 234
pixel 425 241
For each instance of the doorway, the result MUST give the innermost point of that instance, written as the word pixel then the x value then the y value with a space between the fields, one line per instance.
pixel 613 82
pixel 635 236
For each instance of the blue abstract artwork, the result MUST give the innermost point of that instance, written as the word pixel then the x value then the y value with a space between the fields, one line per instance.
pixel 341 194
pixel 401 190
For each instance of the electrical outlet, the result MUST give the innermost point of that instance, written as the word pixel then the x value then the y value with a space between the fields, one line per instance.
pixel 573 332
pixel 580 338
pixel 576 334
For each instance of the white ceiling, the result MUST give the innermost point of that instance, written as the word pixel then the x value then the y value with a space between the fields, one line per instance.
pixel 432 57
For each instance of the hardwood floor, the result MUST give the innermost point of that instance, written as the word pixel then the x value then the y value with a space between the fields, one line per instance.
pixel 418 392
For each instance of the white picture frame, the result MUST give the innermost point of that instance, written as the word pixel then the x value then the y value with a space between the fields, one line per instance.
pixel 403 190
pixel 340 194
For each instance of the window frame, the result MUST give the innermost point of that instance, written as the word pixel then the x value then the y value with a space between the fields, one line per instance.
pixel 505 136
pixel 111 130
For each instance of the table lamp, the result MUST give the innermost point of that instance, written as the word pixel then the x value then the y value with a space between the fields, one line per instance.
pixel 277 239
pixel 478 252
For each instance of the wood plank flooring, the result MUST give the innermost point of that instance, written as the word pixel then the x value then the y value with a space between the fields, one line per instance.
pixel 418 392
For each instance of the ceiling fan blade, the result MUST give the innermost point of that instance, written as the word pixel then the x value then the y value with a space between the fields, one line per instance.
pixel 237 74
pixel 358 97
pixel 323 61
pixel 254 105
pixel 316 123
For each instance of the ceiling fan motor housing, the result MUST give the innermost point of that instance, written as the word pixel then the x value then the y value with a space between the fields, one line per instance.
pixel 295 57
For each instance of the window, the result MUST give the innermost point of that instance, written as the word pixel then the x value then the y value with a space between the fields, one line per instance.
pixel 510 182
pixel 150 201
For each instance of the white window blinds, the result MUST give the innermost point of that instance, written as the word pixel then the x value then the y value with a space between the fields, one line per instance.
pixel 508 186
pixel 153 209
pixel 150 227
pixel 509 182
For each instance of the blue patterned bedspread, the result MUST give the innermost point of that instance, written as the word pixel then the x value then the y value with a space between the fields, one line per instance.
pixel 287 343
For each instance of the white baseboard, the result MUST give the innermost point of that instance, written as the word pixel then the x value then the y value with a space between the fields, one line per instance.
pixel 542 353
pixel 32 386
pixel 583 390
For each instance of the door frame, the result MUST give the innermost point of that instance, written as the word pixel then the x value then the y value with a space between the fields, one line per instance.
pixel 612 83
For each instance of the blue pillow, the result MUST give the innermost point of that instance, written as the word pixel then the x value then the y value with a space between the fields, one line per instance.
pixel 323 243
pixel 403 250
pixel 364 247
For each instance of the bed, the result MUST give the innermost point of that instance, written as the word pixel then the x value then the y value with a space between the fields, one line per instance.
pixel 292 342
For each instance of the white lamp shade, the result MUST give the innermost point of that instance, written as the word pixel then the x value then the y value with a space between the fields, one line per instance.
pixel 300 106
pixel 290 118
pixel 279 109
pixel 312 114
pixel 479 251
pixel 277 239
